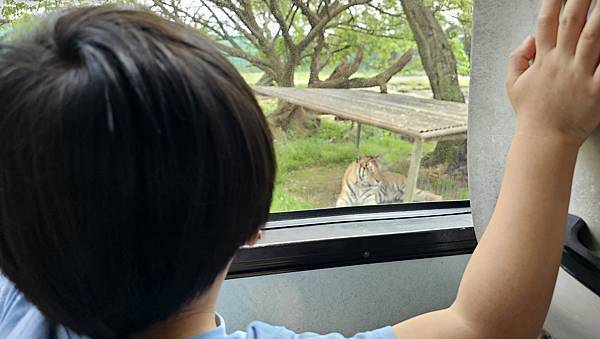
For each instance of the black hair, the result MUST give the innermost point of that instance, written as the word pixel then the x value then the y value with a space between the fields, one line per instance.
pixel 134 162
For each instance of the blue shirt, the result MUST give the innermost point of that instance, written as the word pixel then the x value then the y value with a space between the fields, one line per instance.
pixel 20 319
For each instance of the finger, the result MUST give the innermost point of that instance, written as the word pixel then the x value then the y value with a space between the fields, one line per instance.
pixel 572 22
pixel 588 47
pixel 519 60
pixel 547 25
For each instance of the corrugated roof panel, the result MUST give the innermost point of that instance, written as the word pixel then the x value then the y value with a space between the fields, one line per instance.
pixel 407 115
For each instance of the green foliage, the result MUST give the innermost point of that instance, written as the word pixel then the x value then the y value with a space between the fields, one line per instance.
pixel 383 37
pixel 382 32
pixel 456 18
pixel 14 9
pixel 20 16
pixel 462 59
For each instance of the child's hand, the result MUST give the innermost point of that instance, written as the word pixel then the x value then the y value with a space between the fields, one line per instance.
pixel 559 95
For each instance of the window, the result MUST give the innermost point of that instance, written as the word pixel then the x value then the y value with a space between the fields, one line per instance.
pixel 318 66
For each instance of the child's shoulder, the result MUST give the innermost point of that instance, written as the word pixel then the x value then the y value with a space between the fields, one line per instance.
pixel 19 318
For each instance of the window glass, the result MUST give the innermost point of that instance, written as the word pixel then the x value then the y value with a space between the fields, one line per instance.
pixel 344 142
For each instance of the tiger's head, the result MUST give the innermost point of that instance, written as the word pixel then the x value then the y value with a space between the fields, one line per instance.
pixel 368 171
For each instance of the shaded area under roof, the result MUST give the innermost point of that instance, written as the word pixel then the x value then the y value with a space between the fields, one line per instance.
pixel 407 115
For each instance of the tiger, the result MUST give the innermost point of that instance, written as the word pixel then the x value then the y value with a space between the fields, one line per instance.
pixel 360 183
pixel 364 183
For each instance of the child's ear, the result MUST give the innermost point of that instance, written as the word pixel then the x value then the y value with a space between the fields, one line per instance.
pixel 254 238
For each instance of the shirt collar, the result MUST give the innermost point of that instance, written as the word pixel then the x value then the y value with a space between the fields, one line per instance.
pixel 218 332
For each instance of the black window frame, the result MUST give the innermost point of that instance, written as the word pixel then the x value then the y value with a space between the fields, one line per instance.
pixel 337 237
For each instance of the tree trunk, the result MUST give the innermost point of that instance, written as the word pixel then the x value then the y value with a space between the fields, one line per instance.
pixel 291 117
pixel 265 80
pixel 435 51
pixel 380 79
pixel 440 65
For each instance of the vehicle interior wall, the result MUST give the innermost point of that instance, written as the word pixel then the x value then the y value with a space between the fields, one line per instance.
pixel 500 26
pixel 347 299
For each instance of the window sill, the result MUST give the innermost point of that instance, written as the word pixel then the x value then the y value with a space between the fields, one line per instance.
pixel 311 240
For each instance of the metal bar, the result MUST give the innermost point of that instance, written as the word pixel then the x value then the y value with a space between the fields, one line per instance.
pixel 413 172
pixel 276 218
pixel 340 245
pixel 458 132
pixel 357 138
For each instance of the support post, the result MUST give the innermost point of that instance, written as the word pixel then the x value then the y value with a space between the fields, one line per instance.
pixel 413 171
pixel 357 138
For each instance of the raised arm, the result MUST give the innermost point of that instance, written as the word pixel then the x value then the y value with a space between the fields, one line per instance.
pixel 507 286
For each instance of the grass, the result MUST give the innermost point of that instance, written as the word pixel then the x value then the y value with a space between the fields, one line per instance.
pixel 310 168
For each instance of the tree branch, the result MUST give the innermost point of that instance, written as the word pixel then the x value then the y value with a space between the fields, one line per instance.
pixel 332 12
pixel 315 64
pixel 249 35
pixel 380 79
pixel 345 70
pixel 310 15
pixel 284 28
pixel 235 16
pixel 256 61
pixel 374 33
pixel 224 34
pixel 248 17
pixel 383 11
pixel 165 11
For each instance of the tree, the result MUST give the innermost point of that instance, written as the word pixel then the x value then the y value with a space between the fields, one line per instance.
pixel 279 36
pixel 435 50
pixel 457 19
pixel 440 65
pixel 17 11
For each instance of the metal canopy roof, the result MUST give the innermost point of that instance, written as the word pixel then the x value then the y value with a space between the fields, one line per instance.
pixel 407 115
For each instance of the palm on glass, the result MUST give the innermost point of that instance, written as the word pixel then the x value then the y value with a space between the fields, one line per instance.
pixel 559 93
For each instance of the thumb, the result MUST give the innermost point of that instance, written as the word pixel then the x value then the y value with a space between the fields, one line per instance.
pixel 519 60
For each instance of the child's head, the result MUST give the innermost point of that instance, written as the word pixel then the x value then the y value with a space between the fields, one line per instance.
pixel 134 161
